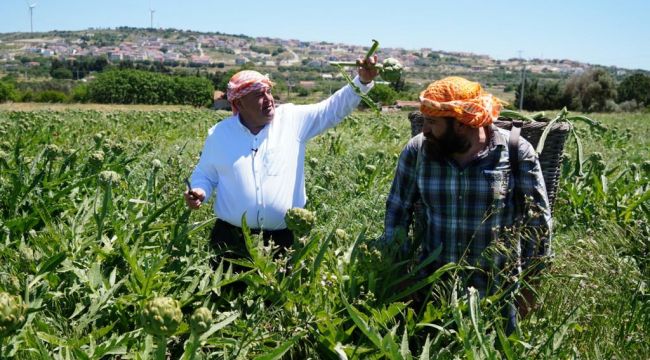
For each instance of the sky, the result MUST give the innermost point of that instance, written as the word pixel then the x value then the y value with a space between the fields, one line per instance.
pixel 598 32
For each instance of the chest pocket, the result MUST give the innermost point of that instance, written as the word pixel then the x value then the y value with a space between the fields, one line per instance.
pixel 272 162
pixel 497 185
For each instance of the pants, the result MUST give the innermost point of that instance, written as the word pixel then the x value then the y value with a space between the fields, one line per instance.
pixel 228 240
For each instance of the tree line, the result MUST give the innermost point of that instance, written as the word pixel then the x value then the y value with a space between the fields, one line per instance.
pixel 592 91
pixel 117 86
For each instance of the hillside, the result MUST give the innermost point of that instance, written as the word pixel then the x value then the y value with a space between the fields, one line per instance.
pixel 217 50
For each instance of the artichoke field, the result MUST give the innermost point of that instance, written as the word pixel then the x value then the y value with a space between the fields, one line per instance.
pixel 100 259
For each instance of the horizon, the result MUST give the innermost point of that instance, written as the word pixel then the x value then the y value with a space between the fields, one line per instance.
pixel 604 34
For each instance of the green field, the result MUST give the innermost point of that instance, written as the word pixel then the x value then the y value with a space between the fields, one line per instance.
pixel 86 249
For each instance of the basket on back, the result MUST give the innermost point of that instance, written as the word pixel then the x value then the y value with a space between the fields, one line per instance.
pixel 549 159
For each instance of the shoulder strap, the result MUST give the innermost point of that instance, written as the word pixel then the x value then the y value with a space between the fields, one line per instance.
pixel 513 154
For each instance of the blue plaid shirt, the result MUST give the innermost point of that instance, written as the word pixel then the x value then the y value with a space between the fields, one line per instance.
pixel 465 210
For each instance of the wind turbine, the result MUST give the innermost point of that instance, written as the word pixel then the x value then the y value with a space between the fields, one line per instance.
pixel 31 16
pixel 151 11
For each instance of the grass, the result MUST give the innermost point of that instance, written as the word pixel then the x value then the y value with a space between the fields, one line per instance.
pixel 86 256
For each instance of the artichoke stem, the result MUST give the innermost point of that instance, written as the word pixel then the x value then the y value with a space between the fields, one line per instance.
pixel 161 348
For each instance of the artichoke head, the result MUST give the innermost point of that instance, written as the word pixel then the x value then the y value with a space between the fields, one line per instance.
pixel 12 313
pixel 161 316
pixel 201 320
pixel 391 70
pixel 300 221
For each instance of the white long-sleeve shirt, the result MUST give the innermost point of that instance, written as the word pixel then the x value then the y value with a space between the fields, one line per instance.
pixel 263 174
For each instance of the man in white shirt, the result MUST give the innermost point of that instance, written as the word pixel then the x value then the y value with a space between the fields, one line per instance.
pixel 255 158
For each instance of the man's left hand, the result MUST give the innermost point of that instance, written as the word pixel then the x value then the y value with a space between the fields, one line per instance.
pixel 367 70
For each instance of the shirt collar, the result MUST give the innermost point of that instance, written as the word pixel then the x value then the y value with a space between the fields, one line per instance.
pixel 245 129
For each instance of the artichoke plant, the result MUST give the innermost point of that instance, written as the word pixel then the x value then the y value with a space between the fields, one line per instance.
pixel 12 313
pixel 300 221
pixel 161 316
pixel 201 320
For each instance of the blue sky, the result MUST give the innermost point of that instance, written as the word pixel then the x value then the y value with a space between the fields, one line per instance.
pixel 598 31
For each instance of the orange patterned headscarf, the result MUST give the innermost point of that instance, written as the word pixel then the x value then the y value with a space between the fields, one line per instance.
pixel 461 99
pixel 244 83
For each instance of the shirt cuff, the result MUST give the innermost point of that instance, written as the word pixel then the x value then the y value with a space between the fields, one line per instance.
pixel 364 88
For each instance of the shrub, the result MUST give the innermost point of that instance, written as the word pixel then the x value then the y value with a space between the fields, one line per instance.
pixel 51 96
pixel 7 92
pixel 80 93
pixel 383 94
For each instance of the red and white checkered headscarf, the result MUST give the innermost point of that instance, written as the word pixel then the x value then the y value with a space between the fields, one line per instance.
pixel 243 83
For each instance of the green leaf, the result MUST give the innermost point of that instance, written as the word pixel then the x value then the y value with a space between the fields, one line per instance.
pixel 357 318
pixel 422 283
pixel 580 159
pixel 404 350
pixel 321 254
pixel 505 343
pixel 425 349
pixel 220 325
pixel 51 263
pixel 280 350
pixel 547 130
pixel 515 115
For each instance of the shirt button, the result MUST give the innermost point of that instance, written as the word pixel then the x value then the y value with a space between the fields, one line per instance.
pixel 460 197
pixel 460 173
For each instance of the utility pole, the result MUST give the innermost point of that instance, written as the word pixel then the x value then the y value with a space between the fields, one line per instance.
pixel 523 81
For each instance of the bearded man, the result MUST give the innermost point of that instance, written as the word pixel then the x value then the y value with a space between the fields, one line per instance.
pixel 459 169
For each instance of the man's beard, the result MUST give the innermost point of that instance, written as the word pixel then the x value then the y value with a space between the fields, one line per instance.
pixel 449 143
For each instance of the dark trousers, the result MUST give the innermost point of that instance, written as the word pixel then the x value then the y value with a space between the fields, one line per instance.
pixel 228 240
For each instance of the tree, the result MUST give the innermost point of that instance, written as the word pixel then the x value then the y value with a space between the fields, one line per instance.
pixel 383 94
pixel 61 73
pixel 590 91
pixel 540 96
pixel 635 87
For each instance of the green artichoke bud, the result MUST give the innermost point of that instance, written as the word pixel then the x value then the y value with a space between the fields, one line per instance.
pixel 161 316
pixel 329 175
pixel 201 320
pixel 157 165
pixel 391 70
pixel 12 314
pixel 96 159
pixel 369 169
pixel 108 177
pixel 98 138
pixel 52 151
pixel 341 235
pixel 300 221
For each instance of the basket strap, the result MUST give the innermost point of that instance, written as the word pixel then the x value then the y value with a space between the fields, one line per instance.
pixel 513 154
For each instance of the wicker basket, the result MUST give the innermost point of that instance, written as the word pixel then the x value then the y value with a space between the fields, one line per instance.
pixel 549 159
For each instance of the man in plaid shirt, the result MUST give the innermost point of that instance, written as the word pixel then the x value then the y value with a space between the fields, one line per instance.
pixel 459 168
